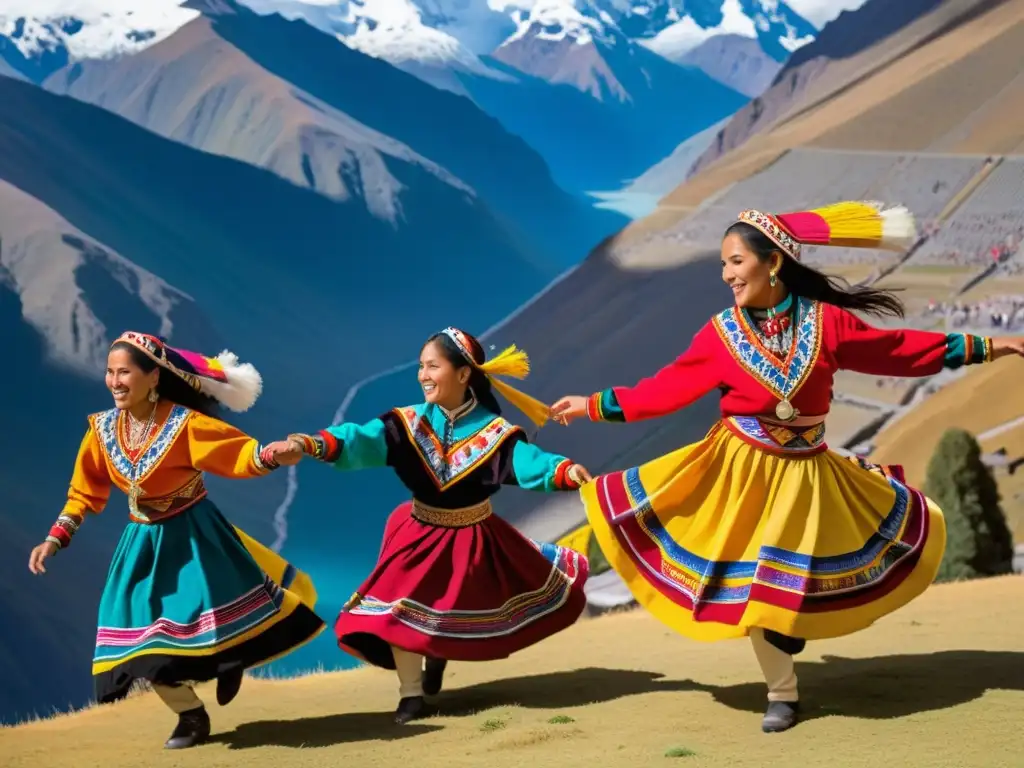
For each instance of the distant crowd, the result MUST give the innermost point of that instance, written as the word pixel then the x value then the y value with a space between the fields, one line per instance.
pixel 1004 313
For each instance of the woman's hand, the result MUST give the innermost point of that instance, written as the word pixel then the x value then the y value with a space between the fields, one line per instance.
pixel 285 453
pixel 39 554
pixel 568 408
pixel 1007 345
pixel 579 474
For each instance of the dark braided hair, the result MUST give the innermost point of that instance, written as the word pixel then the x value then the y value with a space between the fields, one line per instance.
pixel 478 381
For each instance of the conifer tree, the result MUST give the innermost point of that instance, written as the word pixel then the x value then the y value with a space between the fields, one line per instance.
pixel 978 540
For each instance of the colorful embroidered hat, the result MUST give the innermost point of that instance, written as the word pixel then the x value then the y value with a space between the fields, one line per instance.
pixel 510 362
pixel 850 224
pixel 236 385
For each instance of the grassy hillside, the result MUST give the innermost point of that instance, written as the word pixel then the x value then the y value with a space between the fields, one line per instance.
pixel 617 691
pixel 983 399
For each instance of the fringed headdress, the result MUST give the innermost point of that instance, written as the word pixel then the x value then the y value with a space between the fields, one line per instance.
pixel 236 385
pixel 851 224
pixel 510 362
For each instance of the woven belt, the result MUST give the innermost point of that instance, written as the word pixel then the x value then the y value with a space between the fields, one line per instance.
pixel 157 510
pixel 804 440
pixel 451 518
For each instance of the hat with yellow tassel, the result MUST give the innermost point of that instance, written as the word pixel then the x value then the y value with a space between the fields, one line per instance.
pixel 853 224
pixel 511 361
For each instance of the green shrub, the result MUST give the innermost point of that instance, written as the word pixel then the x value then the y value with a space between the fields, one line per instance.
pixel 978 540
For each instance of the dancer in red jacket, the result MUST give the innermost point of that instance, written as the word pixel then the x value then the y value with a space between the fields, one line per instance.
pixel 759 529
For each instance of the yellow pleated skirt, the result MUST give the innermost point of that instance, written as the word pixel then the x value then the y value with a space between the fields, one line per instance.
pixel 722 536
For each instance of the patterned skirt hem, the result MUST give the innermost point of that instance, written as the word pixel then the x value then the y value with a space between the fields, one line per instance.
pixel 370 638
pixel 707 600
pixel 159 666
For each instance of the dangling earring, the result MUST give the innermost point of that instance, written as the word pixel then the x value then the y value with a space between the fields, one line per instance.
pixel 152 396
pixel 771 280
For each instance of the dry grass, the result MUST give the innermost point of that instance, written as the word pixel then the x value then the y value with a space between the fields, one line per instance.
pixel 617 691
pixel 862 385
pixel 846 419
pixel 985 397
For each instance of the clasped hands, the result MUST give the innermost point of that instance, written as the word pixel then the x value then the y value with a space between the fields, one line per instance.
pixel 284 453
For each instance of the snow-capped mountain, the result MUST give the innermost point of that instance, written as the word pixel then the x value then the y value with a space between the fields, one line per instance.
pixel 457 32
pixel 38 37
pixel 673 28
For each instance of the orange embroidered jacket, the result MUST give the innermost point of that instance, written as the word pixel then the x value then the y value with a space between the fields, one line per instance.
pixel 167 469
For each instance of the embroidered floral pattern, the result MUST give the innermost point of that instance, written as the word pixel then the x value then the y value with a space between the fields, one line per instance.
pixel 448 466
pixel 780 377
pixel 771 227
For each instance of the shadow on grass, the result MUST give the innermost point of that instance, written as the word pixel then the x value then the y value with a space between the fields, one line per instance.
pixel 887 687
pixel 572 688
pixel 323 731
pixel 548 691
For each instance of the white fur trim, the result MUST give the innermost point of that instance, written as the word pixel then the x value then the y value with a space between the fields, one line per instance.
pixel 899 230
pixel 243 387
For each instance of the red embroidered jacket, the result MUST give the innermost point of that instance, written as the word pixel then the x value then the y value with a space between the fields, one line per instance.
pixel 727 354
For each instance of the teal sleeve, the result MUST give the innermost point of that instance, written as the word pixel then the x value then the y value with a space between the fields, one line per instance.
pixel 537 470
pixel 966 349
pixel 348 446
pixel 604 406
pixel 361 446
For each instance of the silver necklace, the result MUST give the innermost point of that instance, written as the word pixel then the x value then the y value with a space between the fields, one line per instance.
pixel 138 432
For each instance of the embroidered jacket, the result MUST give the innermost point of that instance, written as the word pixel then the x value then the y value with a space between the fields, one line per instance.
pixel 168 468
pixel 447 460
pixel 729 355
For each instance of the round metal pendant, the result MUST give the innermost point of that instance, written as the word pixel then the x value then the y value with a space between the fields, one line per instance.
pixel 785 410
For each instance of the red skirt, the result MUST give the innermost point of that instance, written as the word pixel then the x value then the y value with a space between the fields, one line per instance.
pixel 475 593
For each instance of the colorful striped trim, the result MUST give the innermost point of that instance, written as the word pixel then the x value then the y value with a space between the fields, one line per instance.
pixel 783 378
pixel 262 464
pixel 513 615
pixel 561 479
pixel 59 536
pixel 62 531
pixel 720 590
pixel 211 629
pixel 323 446
pixel 604 406
pixel 966 349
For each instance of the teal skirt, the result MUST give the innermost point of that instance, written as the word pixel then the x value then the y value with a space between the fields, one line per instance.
pixel 191 598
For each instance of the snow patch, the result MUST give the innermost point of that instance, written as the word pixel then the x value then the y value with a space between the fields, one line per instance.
pixel 791 44
pixel 90 29
pixel 398 31
pixel 557 20
pixel 682 37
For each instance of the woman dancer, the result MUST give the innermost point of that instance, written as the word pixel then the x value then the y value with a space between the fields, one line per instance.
pixel 188 597
pixel 758 529
pixel 453 581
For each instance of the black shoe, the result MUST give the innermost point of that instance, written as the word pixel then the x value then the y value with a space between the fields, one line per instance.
pixel 433 676
pixel 228 685
pixel 780 716
pixel 785 643
pixel 193 728
pixel 410 708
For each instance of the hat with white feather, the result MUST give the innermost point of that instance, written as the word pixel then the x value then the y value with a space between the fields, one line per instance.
pixel 235 385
